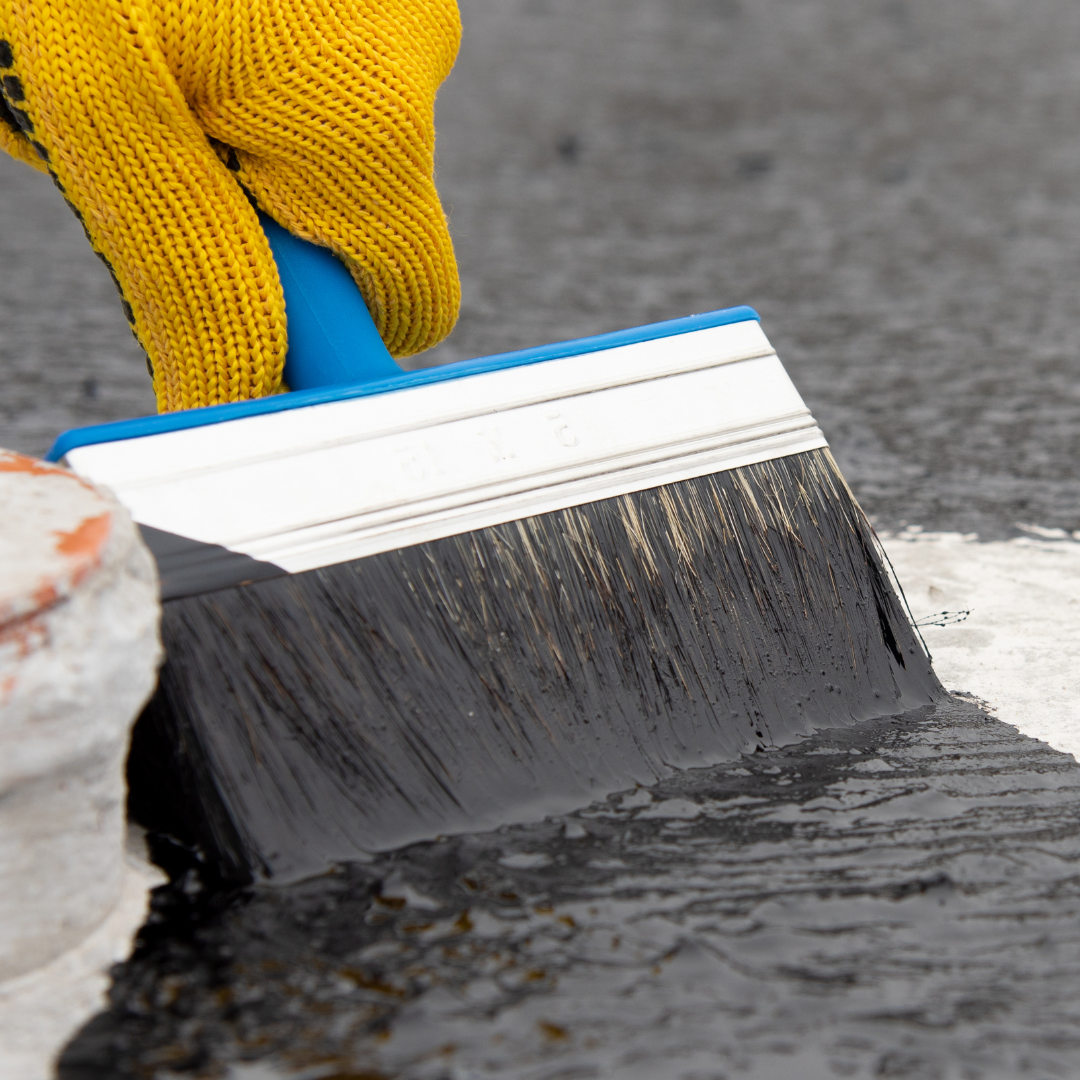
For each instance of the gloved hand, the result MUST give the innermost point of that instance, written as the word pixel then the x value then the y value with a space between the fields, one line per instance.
pixel 147 112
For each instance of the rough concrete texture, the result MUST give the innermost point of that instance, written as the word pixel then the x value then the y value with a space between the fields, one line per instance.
pixel 1001 620
pixel 40 1009
pixel 894 185
pixel 79 649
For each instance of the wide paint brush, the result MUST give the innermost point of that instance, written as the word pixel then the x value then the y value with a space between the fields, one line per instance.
pixel 403 604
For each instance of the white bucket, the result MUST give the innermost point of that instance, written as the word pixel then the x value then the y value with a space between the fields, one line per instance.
pixel 79 649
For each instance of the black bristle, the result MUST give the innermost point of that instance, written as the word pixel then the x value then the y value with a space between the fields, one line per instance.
pixel 525 669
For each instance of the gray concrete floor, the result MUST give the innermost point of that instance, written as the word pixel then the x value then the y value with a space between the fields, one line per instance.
pixel 895 185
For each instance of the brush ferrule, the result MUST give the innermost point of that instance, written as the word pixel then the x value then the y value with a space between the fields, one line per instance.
pixel 344 480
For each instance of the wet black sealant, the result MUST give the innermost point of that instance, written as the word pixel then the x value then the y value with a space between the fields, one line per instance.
pixel 896 899
pixel 519 671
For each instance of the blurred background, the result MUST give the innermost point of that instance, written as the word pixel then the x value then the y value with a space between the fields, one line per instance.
pixel 893 184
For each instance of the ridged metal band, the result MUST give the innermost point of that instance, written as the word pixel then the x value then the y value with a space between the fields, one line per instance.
pixel 339 481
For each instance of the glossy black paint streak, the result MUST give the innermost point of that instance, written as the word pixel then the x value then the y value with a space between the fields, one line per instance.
pixel 894 899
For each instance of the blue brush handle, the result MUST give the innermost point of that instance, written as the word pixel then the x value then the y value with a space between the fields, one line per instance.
pixel 332 339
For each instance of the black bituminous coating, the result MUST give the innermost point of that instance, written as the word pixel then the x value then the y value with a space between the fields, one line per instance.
pixel 521 670
pixel 892 899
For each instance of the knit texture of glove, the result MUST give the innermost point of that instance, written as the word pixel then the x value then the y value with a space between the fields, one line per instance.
pixel 147 112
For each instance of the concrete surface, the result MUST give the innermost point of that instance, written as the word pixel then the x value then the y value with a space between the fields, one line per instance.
pixel 1002 620
pixel 894 185
pixel 42 1008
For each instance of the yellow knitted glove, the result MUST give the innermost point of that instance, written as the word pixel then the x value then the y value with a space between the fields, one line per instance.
pixel 146 112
